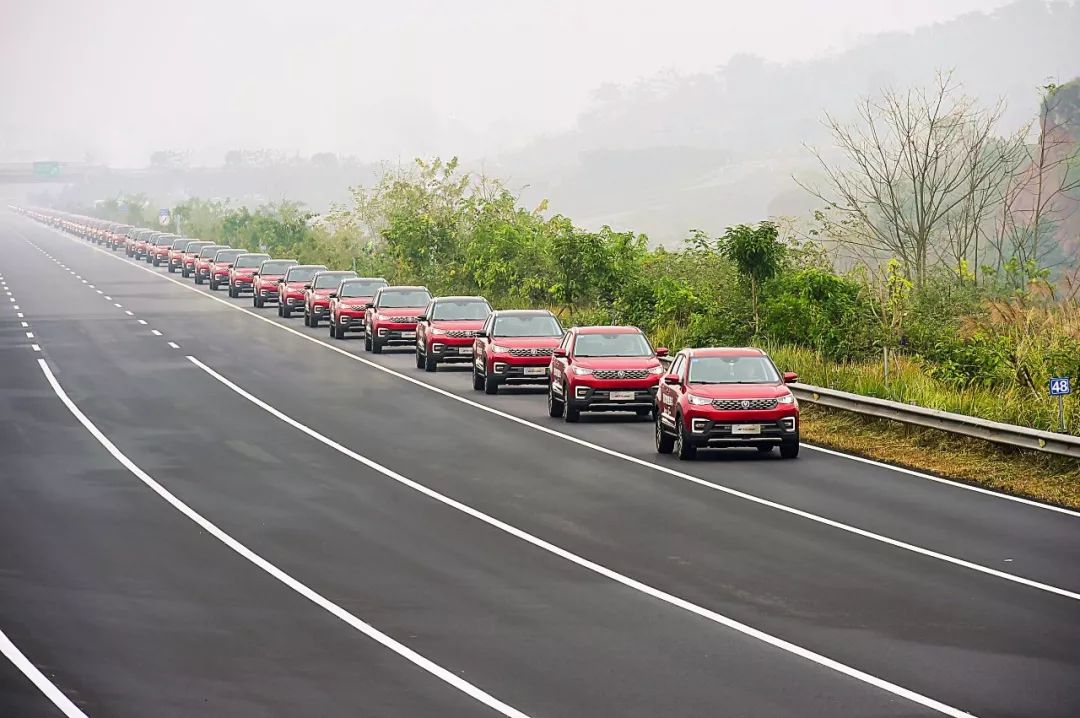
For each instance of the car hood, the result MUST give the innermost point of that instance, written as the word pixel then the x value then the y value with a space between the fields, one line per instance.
pixel 271 277
pixel 527 342
pixel 322 292
pixel 616 362
pixel 458 324
pixel 739 391
pixel 359 302
pixel 244 270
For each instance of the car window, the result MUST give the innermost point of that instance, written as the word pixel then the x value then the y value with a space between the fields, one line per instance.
pixel 677 367
pixel 227 255
pixel 527 325
pixel 732 370
pixel 360 288
pixel 614 344
pixel 328 281
pixel 208 251
pixel 447 310
pixel 250 261
pixel 301 274
pixel 276 266
pixel 404 298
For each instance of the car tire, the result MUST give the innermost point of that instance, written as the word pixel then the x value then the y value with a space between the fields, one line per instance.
pixel 430 363
pixel 198 279
pixel 313 321
pixel 683 448
pixel 307 319
pixel 555 405
pixel 337 331
pixel 213 285
pixel 789 448
pixel 157 262
pixel 376 346
pixel 571 413
pixel 286 311
pixel 665 442
pixel 184 273
pixel 367 341
pixel 477 379
pixel 172 269
pixel 419 358
pixel 491 385
pixel 256 301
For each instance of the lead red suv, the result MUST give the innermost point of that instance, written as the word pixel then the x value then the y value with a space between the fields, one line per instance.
pixel 390 318
pixel 349 303
pixel 604 369
pixel 446 329
pixel 264 286
pixel 242 272
pixel 317 294
pixel 514 347
pixel 725 398
pixel 291 287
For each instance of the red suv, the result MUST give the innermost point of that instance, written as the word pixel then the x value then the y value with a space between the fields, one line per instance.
pixel 115 240
pixel 222 263
pixel 190 254
pixel 291 287
pixel 391 315
pixel 514 347
pixel 205 261
pixel 158 250
pixel 264 285
pixel 349 302
pixel 723 398
pixel 176 251
pixel 242 272
pixel 445 331
pixel 604 369
pixel 317 294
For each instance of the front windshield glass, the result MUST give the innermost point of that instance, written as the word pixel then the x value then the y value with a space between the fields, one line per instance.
pixel 227 255
pixel 622 344
pixel 208 251
pixel 302 274
pixel 195 247
pixel 277 266
pixel 535 325
pixel 249 261
pixel 329 281
pixel 404 298
pixel 164 239
pixel 361 288
pixel 179 243
pixel 463 310
pixel 732 370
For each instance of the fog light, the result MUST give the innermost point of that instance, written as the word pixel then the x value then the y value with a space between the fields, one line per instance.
pixel 499 368
pixel 344 320
pixel 383 331
pixel 698 426
pixel 581 392
pixel 788 423
pixel 437 348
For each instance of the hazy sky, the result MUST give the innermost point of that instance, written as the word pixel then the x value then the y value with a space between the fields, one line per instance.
pixel 120 78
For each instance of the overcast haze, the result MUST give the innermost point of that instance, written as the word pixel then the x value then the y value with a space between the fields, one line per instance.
pixel 113 81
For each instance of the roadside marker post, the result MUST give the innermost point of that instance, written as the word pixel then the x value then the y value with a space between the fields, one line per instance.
pixel 1061 386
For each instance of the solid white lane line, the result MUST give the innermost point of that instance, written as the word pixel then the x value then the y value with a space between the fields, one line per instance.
pixel 19 314
pixel 586 563
pixel 155 332
pixel 47 687
pixel 91 286
pixel 118 305
pixel 99 291
pixel 174 345
pixel 319 600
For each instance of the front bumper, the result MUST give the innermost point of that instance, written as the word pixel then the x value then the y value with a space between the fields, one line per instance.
pixel 240 284
pixel 350 322
pixel 588 398
pixel 396 334
pixel 515 370
pixel 707 431
pixel 453 350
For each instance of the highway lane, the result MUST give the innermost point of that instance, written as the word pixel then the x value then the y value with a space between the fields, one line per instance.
pixel 816 589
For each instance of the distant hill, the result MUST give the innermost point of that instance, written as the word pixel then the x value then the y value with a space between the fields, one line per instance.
pixel 707 150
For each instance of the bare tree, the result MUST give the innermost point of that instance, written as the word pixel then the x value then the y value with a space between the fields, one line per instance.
pixel 917 176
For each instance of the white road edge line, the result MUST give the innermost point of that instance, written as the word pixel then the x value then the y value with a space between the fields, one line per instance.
pixel 590 565
pixel 318 599
pixel 47 687
pixel 664 469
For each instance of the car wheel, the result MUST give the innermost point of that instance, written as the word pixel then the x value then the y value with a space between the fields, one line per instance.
pixel 198 279
pixel 419 358
pixel 367 341
pixel 172 269
pixel 286 311
pixel 789 448
pixel 314 321
pixel 683 448
pixel 430 363
pixel 555 405
pixel 764 448
pixel 491 384
pixel 571 413
pixel 376 346
pixel 337 331
pixel 665 442
pixel 307 318
pixel 477 379
pixel 256 301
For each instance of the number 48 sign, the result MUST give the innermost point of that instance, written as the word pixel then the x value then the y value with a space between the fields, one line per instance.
pixel 1059 387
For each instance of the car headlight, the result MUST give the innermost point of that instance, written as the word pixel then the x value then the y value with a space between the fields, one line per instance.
pixel 496 349
pixel 580 370
pixel 656 370
pixel 699 400
pixel 436 330
pixel 787 399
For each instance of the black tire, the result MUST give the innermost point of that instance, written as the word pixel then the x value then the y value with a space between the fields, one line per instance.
pixel 555 405
pixel 307 318
pixel 571 413
pixel 491 384
pixel 213 285
pixel 764 448
pixel 286 311
pixel 376 346
pixel 337 331
pixel 198 279
pixel 256 301
pixel 367 341
pixel 683 448
pixel 184 273
pixel 665 442
pixel 314 321
pixel 419 358
pixel 172 269
pixel 477 379
pixel 789 448
pixel 157 262
pixel 430 363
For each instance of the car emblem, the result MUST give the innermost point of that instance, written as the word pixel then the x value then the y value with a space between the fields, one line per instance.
pixel 622 374
pixel 745 404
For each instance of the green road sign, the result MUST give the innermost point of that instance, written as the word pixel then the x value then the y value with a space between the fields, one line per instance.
pixel 46 169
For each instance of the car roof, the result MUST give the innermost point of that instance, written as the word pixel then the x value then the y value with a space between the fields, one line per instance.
pixel 524 313
pixel 365 279
pixel 459 299
pixel 404 288
pixel 335 271
pixel 724 352
pixel 607 330
pixel 254 254
pixel 308 266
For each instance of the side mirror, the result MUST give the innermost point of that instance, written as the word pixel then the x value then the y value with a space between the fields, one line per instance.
pixel 254 274
pixel 307 286
pixel 560 352
pixel 230 266
pixel 671 379
pixel 369 305
pixel 661 351
pixel 790 377
pixel 421 317
pixel 333 295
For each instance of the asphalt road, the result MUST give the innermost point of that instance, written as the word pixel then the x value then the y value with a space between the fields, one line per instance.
pixel 467 555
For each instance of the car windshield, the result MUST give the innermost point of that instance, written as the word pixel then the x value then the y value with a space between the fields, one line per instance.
pixel 195 247
pixel 404 298
pixel 462 310
pixel 732 370
pixel 250 261
pixel 302 274
pixel 328 281
pixel 208 251
pixel 361 289
pixel 227 255
pixel 179 243
pixel 615 344
pixel 276 267
pixel 537 325
pixel 166 239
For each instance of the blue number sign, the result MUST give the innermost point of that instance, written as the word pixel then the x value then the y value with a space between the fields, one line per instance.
pixel 1060 386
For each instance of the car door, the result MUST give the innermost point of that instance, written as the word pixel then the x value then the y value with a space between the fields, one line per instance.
pixel 480 342
pixel 668 394
pixel 423 329
pixel 559 364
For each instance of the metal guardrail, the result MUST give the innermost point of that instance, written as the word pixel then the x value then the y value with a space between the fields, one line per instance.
pixel 970 426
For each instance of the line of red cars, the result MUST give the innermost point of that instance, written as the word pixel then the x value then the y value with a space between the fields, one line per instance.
pixel 700 398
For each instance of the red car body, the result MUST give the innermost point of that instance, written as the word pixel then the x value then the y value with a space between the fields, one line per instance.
pixel 348 307
pixel 117 237
pixel 220 267
pixel 292 286
pixel 142 244
pixel 726 398
pixel 158 250
pixel 190 254
pixel 390 320
pixel 604 369
pixel 446 330
pixel 176 251
pixel 264 285
pixel 242 272
pixel 317 294
pixel 204 261
pixel 514 347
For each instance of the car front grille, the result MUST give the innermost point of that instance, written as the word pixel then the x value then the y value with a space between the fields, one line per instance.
pixel 744 404
pixel 401 320
pixel 461 333
pixel 532 352
pixel 621 373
